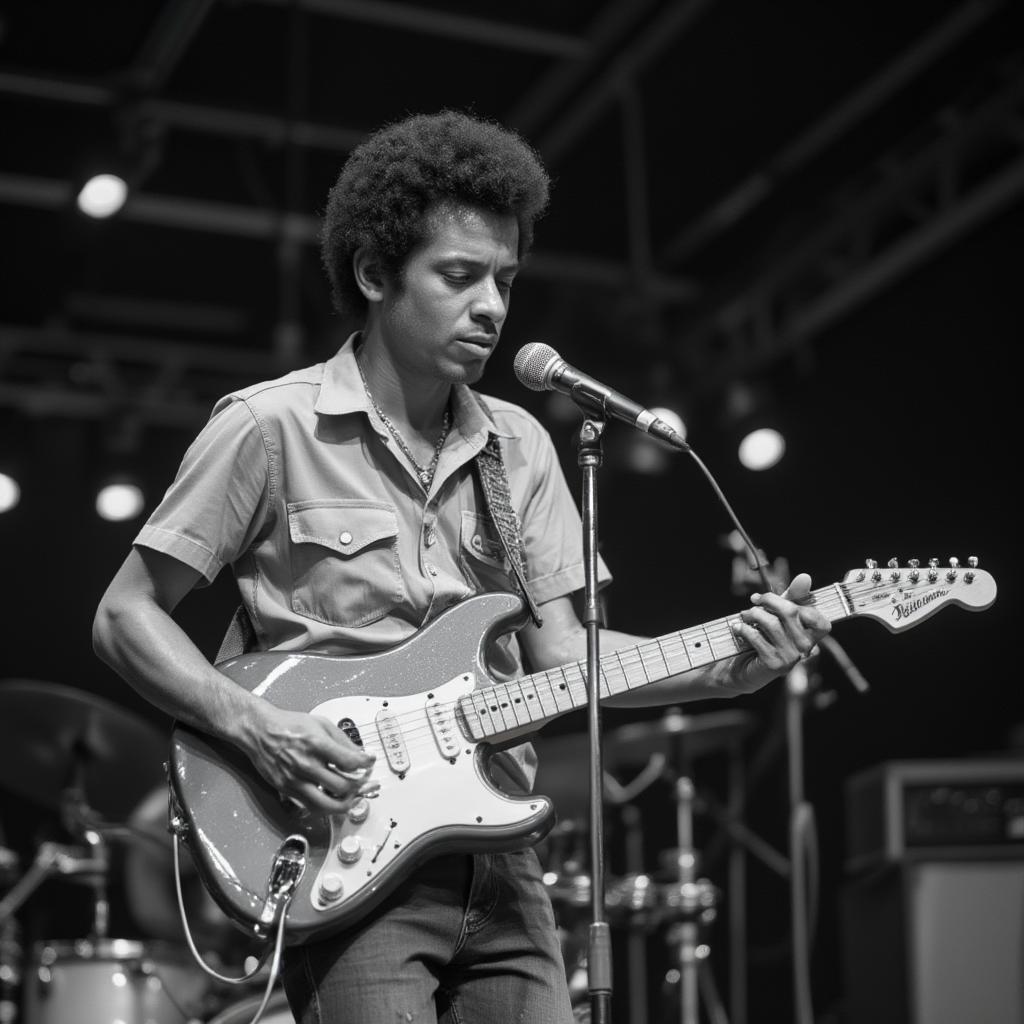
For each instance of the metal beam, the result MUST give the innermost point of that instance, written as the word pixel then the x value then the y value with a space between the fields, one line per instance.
pixel 625 68
pixel 203 118
pixel 555 86
pixel 177 212
pixel 916 206
pixel 175 27
pixel 430 21
pixel 916 59
pixel 54 371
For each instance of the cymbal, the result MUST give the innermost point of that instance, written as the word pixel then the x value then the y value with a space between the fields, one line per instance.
pixel 53 737
pixel 676 735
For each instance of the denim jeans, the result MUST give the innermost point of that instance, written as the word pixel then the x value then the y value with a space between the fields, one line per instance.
pixel 464 940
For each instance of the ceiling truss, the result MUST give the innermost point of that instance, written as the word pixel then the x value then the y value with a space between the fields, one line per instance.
pixel 917 204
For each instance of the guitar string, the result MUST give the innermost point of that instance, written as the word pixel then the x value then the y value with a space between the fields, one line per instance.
pixel 575 688
pixel 414 729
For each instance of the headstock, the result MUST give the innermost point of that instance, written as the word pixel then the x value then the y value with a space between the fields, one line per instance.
pixel 902 596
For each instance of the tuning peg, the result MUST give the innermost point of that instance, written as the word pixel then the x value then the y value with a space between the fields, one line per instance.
pixel 933 570
pixel 973 561
pixel 870 563
pixel 914 573
pixel 954 562
pixel 894 565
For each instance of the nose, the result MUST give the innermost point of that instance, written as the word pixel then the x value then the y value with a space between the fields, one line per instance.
pixel 489 301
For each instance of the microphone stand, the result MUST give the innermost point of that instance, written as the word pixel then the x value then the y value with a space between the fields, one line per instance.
pixel 599 948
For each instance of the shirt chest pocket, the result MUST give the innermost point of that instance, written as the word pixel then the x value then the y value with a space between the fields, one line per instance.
pixel 482 555
pixel 344 557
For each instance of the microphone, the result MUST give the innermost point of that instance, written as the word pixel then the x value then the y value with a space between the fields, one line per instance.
pixel 540 368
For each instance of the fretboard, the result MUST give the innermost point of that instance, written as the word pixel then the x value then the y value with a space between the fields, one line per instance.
pixel 504 710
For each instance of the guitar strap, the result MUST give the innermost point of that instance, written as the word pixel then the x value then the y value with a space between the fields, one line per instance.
pixel 494 480
pixel 490 464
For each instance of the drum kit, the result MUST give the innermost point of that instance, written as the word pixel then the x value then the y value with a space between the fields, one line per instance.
pixel 670 901
pixel 90 927
pixel 92 773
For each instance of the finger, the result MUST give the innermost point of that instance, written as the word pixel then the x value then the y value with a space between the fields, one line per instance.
pixel 813 621
pixel 770 623
pixel 754 639
pixel 329 778
pixel 778 639
pixel 306 800
pixel 347 765
pixel 798 623
pixel 339 749
pixel 324 801
pixel 799 588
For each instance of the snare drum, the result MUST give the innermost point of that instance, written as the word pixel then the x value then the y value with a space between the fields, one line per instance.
pixel 114 980
pixel 242 1012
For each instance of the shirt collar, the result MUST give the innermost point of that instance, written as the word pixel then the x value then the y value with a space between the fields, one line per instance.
pixel 342 392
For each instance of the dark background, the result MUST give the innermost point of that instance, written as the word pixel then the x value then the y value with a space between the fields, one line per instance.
pixel 867 292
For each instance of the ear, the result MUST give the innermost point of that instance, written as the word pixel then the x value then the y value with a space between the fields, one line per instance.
pixel 368 274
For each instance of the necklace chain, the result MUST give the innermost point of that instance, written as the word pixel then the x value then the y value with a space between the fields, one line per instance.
pixel 424 473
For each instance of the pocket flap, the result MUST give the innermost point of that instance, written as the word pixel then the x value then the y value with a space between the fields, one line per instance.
pixel 343 527
pixel 480 538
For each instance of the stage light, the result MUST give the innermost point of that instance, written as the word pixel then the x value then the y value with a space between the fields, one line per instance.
pixel 761 449
pixel 10 492
pixel 119 500
pixel 102 195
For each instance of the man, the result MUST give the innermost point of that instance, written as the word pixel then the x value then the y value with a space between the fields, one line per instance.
pixel 348 501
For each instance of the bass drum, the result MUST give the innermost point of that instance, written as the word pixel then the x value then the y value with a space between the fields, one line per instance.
pixel 242 1012
pixel 108 980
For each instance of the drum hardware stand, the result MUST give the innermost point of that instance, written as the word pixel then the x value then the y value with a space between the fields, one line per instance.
pixel 91 862
pixel 599 947
pixel 694 906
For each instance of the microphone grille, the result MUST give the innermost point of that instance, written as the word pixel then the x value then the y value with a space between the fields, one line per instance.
pixel 531 365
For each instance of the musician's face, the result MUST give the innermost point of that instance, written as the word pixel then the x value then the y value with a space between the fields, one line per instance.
pixel 442 319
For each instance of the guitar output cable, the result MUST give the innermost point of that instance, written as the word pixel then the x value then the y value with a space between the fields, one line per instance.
pixel 275 950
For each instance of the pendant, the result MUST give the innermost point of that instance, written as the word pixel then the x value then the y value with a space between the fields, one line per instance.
pixel 424 478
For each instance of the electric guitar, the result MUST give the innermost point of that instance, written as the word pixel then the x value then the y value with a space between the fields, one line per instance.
pixel 429 712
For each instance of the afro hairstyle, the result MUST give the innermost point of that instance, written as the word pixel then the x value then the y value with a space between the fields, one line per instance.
pixel 395 176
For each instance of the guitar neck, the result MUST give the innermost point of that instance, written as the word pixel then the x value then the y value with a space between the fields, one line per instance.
pixel 503 711
pixel 897 597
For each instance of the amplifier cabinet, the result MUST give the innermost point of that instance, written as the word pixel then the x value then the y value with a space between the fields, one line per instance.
pixel 934 943
pixel 901 811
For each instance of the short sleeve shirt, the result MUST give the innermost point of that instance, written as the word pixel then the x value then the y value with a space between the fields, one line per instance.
pixel 299 487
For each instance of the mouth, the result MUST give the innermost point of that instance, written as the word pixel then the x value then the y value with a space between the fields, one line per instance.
pixel 482 342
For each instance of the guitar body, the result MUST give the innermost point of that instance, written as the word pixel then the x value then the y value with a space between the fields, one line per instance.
pixel 435 791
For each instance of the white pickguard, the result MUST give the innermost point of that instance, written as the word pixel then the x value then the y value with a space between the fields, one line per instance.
pixel 437 791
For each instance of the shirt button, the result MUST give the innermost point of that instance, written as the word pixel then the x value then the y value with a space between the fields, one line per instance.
pixel 477 542
pixel 345 537
pixel 432 569
pixel 430 536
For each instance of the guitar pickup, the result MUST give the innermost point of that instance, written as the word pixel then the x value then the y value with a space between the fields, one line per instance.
pixel 391 739
pixel 442 723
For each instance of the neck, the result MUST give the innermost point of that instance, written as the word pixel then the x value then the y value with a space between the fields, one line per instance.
pixel 418 404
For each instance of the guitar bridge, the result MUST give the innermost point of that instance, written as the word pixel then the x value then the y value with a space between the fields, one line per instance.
pixel 285 872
